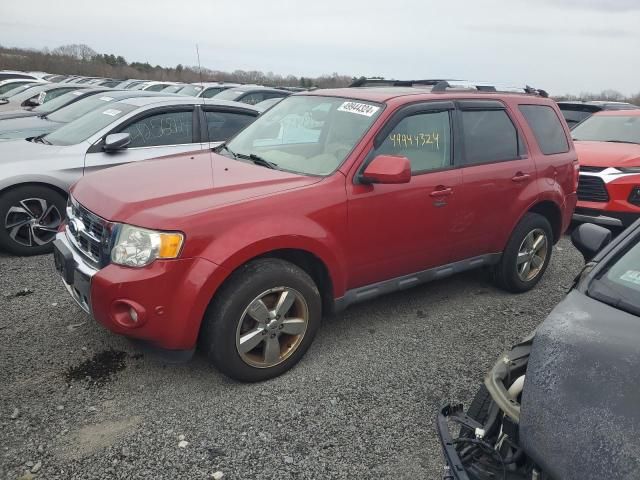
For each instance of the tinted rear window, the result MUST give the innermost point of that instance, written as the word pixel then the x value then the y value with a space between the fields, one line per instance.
pixel 489 136
pixel 546 127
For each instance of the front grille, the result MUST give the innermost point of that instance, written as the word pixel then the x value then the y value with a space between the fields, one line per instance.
pixel 585 168
pixel 89 233
pixel 592 189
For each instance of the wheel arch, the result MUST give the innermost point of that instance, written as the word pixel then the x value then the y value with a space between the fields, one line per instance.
pixel 551 211
pixel 52 186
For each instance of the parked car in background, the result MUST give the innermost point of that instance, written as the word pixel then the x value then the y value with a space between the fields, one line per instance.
pixel 327 199
pixel 153 86
pixel 53 105
pixel 12 83
pixel 575 112
pixel 563 403
pixel 36 173
pixel 206 89
pixel 608 146
pixel 45 120
pixel 173 88
pixel 5 74
pixel 250 94
pixel 36 95
pixel 266 104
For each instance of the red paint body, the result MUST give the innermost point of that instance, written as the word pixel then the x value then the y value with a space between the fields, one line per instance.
pixel 231 212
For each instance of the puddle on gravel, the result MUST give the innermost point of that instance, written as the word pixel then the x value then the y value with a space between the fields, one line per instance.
pixel 98 369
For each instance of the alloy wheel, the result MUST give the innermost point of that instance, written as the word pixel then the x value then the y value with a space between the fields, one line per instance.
pixel 532 254
pixel 272 327
pixel 33 222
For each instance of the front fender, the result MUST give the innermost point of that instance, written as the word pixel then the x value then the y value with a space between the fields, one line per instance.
pixel 254 238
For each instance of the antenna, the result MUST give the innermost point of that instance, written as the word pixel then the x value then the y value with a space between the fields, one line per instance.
pixel 199 66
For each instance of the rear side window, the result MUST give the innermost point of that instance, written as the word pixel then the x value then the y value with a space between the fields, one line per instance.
pixel 425 139
pixel 224 125
pixel 546 127
pixel 489 136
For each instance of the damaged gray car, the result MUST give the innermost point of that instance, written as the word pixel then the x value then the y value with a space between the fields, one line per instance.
pixel 564 404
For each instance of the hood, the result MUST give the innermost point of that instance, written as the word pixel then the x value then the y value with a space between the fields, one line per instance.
pixel 607 154
pixel 158 193
pixel 26 127
pixel 17 114
pixel 580 416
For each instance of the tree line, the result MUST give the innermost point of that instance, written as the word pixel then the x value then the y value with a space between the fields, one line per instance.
pixel 80 59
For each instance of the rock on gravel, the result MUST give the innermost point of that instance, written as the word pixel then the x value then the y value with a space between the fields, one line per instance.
pixel 217 475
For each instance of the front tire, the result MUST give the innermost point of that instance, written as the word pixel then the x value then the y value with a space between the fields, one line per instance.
pixel 29 219
pixel 262 321
pixel 527 255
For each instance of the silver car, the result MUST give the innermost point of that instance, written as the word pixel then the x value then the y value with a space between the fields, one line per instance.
pixel 42 122
pixel 36 95
pixel 35 174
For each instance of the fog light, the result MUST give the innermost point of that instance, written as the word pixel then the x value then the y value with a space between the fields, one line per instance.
pixel 134 315
pixel 635 195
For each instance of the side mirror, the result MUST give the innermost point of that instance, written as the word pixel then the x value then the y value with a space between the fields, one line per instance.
pixel 590 239
pixel 116 141
pixel 387 169
pixel 32 102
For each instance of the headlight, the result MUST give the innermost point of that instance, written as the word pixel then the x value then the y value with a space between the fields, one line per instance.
pixel 138 247
pixel 629 169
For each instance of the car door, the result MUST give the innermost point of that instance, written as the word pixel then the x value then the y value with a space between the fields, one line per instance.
pixel 219 124
pixel 498 178
pixel 154 133
pixel 395 230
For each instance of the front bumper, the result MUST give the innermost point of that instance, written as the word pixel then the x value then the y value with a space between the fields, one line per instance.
pixel 453 469
pixel 169 297
pixel 606 218
pixel 617 210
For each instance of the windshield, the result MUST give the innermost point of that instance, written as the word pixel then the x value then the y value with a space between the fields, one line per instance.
pixel 25 92
pixel 307 134
pixel 619 285
pixel 609 128
pixel 190 90
pixel 57 102
pixel 172 88
pixel 80 108
pixel 7 87
pixel 81 129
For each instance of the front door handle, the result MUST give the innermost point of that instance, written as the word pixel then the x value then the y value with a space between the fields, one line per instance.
pixel 520 177
pixel 442 192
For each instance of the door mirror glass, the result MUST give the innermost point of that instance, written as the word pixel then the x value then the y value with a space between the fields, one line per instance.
pixel 116 141
pixel 387 169
pixel 590 239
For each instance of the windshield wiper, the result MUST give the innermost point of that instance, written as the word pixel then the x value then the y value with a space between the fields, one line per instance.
pixel 258 160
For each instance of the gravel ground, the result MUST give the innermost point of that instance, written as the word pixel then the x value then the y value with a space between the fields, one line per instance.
pixel 77 402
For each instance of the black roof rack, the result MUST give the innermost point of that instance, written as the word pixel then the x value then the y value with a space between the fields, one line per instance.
pixel 483 87
pixel 441 85
pixel 384 82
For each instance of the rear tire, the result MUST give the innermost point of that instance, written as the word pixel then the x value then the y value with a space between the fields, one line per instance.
pixel 262 320
pixel 29 219
pixel 527 255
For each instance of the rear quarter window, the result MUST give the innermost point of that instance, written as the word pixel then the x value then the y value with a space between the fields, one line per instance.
pixel 546 127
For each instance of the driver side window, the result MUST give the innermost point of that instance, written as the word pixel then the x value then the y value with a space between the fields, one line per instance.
pixel 167 128
pixel 424 138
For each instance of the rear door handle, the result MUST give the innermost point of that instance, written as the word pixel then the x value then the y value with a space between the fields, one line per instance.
pixel 442 192
pixel 520 177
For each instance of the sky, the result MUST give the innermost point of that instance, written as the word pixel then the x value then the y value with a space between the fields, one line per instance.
pixel 562 46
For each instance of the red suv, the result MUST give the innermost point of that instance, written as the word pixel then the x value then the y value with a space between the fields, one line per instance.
pixel 331 197
pixel 608 146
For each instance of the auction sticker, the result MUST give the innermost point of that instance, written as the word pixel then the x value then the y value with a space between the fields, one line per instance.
pixel 112 112
pixel 632 276
pixel 106 99
pixel 79 92
pixel 358 108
